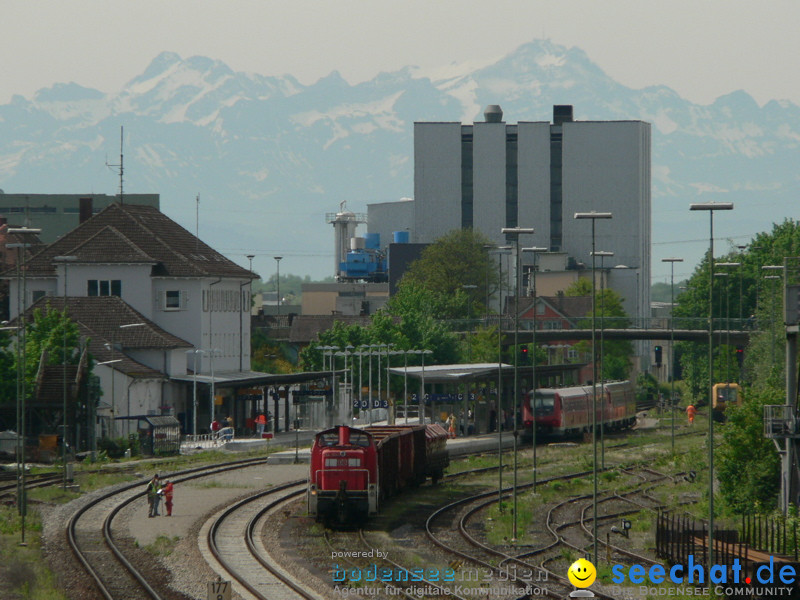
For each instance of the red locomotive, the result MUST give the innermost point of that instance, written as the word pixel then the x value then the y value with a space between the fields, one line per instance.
pixel 568 411
pixel 353 470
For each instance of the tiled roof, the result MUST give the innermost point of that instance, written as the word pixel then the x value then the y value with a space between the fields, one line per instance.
pixel 125 233
pixel 99 319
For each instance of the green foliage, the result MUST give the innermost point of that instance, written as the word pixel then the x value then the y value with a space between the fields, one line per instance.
pixel 456 260
pixel 748 465
pixel 268 356
pixel 743 299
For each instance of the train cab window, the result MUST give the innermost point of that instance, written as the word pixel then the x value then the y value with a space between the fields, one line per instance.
pixel 328 439
pixel 358 438
pixel 544 404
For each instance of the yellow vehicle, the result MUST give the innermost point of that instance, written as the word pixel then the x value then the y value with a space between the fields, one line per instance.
pixel 726 394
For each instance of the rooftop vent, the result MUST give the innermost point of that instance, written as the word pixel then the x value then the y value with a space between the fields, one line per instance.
pixel 493 114
pixel 562 113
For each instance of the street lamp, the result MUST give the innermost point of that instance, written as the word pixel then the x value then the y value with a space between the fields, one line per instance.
pixel 602 254
pixel 22 358
pixel 535 250
pixel 242 311
pixel 194 392
pixel 278 284
pixel 468 287
pixel 593 215
pixel 500 252
pixel 422 385
pixel 331 350
pixel 710 207
pixel 672 262
pixel 65 260
pixel 515 232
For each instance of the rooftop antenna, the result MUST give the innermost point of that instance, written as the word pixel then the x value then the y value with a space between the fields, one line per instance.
pixel 120 166
pixel 197 223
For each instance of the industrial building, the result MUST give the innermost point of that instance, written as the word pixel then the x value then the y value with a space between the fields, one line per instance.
pixel 494 174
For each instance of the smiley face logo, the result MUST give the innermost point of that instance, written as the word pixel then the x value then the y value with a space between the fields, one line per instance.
pixel 582 573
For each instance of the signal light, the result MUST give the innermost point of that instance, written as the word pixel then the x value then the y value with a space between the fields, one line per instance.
pixel 658 352
pixel 740 356
pixel 523 354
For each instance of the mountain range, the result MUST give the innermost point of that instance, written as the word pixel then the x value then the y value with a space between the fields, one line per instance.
pixel 269 157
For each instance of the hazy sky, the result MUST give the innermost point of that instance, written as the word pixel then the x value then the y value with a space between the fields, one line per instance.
pixel 700 48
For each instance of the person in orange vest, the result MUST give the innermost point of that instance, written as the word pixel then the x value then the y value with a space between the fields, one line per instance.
pixel 690 413
pixel 261 423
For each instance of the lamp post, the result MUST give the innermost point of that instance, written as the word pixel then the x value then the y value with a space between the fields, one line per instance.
pixel 535 251
pixel 515 232
pixel 501 251
pixel 672 262
pixel 710 207
pixel 593 215
pixel 388 388
pixel 468 288
pixel 329 350
pixel 242 311
pixel 194 392
pixel 278 284
pixel 602 254
pixel 405 385
pixel 22 232
pixel 422 385
pixel 65 260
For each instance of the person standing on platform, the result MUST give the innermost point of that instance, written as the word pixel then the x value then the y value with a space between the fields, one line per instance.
pixel 167 492
pixel 261 423
pixel 152 496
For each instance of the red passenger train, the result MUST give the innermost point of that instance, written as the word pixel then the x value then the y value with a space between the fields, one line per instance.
pixel 354 470
pixel 561 412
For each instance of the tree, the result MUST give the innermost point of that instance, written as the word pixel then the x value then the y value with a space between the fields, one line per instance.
pixel 608 307
pixel 748 466
pixel 46 332
pixel 456 260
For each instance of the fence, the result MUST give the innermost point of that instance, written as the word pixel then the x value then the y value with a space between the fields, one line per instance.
pixel 756 539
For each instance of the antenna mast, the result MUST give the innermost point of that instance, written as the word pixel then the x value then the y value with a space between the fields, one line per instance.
pixel 120 166
pixel 197 223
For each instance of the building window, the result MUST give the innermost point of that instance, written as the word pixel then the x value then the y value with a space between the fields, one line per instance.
pixel 104 287
pixel 36 294
pixel 173 300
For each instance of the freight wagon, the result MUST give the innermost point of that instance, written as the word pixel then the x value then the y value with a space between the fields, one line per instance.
pixel 353 470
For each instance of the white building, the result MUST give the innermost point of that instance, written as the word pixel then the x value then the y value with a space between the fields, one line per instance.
pixel 153 298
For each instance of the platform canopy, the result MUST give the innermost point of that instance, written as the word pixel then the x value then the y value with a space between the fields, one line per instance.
pixel 454 373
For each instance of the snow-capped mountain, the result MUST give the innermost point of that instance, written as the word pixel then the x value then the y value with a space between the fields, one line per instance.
pixel 270 156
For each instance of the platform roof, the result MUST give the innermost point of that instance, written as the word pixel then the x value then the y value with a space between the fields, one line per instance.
pixel 454 373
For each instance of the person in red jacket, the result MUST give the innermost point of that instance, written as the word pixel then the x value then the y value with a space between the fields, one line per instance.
pixel 167 491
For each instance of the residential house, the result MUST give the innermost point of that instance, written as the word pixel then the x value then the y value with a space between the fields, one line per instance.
pixel 169 307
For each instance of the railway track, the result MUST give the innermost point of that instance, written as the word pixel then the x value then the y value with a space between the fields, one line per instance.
pixel 255 574
pixel 90 536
